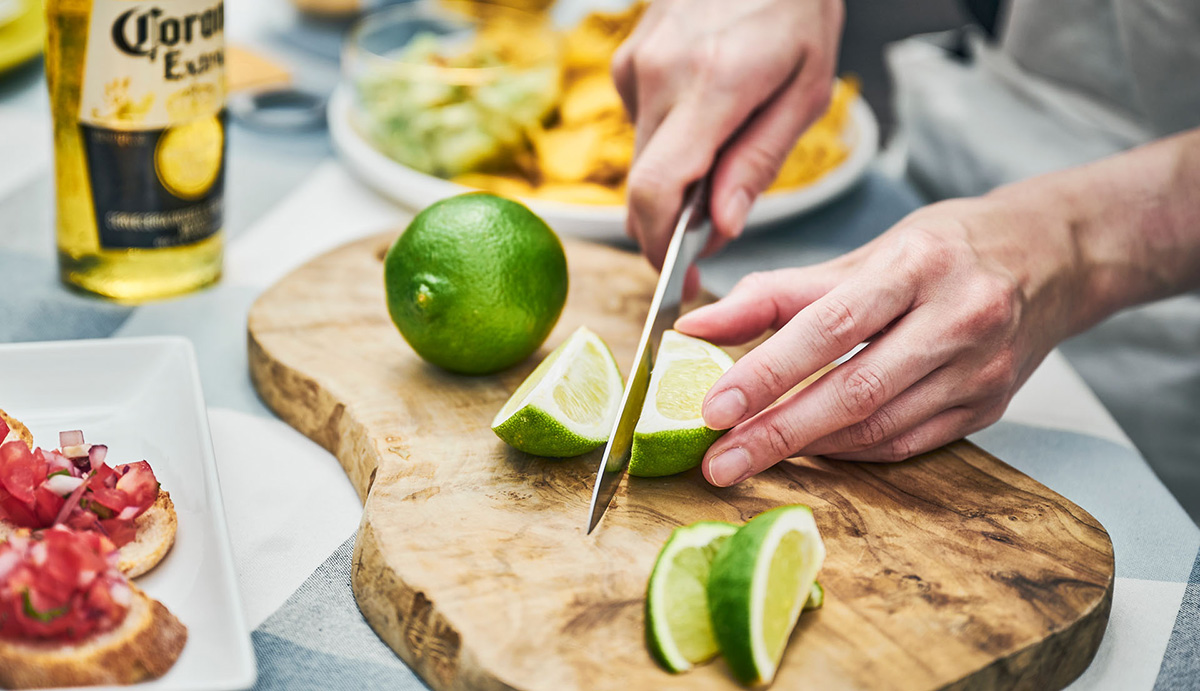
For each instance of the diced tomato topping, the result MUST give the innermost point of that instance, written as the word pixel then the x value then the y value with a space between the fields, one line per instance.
pixel 112 499
pixel 3 429
pixel 16 511
pixel 109 501
pixel 120 531
pixel 139 484
pixel 61 586
pixel 83 520
pixel 18 471
pixel 48 504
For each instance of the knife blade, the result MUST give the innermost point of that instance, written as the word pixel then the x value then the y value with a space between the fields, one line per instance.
pixel 689 238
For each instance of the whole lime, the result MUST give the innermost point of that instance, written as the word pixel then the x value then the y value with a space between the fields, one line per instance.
pixel 475 283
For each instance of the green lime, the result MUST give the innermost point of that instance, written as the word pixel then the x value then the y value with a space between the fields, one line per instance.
pixel 678 630
pixel 671 436
pixel 476 283
pixel 567 405
pixel 760 581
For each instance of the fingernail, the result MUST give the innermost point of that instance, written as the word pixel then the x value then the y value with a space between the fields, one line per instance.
pixel 739 207
pixel 729 468
pixel 725 409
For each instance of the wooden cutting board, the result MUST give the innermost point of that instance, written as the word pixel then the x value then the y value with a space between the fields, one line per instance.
pixel 952 570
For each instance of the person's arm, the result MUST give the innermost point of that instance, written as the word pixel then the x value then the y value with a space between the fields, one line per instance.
pixel 960 301
pixel 744 78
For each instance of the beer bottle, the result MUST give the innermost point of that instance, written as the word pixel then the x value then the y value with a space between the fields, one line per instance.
pixel 137 92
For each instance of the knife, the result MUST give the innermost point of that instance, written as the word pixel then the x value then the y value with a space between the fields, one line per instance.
pixel 691 235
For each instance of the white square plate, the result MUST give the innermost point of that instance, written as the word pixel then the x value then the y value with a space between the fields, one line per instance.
pixel 142 398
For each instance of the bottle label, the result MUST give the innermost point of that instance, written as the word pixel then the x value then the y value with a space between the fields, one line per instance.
pixel 152 120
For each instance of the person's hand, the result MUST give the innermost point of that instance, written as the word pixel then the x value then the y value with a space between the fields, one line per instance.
pixel 743 77
pixel 960 302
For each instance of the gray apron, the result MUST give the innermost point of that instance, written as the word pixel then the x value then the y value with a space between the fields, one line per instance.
pixel 1067 82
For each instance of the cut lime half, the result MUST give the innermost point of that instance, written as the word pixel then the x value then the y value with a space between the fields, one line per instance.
pixel 671 436
pixel 760 581
pixel 567 406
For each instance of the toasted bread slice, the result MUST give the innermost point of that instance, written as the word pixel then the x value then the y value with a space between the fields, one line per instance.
pixel 155 536
pixel 17 427
pixel 143 647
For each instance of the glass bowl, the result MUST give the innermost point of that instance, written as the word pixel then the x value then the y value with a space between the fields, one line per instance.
pixel 451 87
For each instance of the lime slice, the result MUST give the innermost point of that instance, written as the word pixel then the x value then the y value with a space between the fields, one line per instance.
pixel 760 581
pixel 671 436
pixel 678 630
pixel 567 406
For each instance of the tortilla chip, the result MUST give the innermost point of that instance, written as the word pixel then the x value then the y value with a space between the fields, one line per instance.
pixel 592 96
pixel 598 151
pixel 591 43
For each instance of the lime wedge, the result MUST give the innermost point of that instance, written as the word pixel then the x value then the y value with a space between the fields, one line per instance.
pixel 567 406
pixel 678 630
pixel 760 581
pixel 671 436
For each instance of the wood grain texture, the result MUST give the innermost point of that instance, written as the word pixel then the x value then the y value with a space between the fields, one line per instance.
pixel 952 570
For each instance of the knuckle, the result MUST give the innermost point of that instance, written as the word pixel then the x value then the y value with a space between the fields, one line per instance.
pixel 821 95
pixel 621 69
pixel 871 432
pixel 999 300
pixel 778 437
pixel 835 319
pixel 837 11
pixel 863 391
pixel 753 282
pixel 622 60
pixel 901 448
pixel 652 61
pixel 647 185
pixel 760 162
pixel 770 372
pixel 921 250
pixel 999 375
pixel 993 307
pixel 990 415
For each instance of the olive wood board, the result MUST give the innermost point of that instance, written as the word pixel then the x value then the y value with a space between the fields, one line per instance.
pixel 951 570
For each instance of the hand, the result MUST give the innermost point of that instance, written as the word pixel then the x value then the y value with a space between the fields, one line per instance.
pixel 743 77
pixel 960 302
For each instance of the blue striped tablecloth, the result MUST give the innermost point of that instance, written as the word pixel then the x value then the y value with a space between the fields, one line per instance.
pixel 289 200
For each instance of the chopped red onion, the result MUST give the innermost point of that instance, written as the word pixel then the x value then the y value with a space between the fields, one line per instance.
pixel 128 513
pixel 72 501
pixel 56 461
pixel 70 438
pixel 63 485
pixel 97 454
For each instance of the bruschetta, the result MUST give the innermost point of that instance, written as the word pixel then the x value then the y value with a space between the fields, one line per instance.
pixel 70 617
pixel 74 486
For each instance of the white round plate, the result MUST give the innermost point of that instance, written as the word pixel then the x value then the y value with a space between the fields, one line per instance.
pixel 416 190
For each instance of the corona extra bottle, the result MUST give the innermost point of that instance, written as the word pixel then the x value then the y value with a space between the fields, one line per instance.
pixel 137 91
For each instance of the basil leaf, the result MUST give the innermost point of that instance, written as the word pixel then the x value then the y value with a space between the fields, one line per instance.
pixel 44 617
